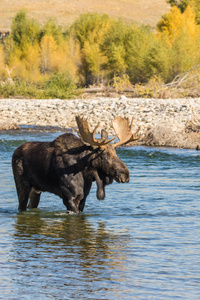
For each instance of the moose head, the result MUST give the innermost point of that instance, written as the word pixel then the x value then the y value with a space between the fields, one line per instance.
pixel 108 164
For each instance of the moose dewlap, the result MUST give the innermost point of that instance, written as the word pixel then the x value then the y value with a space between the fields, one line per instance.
pixel 68 165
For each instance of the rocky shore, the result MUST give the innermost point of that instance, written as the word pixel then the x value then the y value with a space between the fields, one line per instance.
pixel 163 122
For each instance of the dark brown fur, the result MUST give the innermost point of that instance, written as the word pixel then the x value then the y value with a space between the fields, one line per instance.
pixel 65 167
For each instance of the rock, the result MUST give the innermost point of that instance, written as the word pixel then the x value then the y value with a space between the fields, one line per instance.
pixel 8 126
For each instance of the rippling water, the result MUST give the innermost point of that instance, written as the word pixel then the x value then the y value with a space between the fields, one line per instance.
pixel 141 242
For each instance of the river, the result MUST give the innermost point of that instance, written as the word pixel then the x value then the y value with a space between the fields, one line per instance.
pixel 141 242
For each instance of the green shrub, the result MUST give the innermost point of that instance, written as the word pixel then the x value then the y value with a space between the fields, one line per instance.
pixel 59 86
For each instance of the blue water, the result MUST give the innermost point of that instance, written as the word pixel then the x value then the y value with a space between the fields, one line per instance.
pixel 141 242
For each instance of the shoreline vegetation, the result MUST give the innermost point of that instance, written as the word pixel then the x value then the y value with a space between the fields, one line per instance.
pixel 100 52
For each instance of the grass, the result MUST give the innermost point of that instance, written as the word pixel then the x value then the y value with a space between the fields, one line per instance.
pixel 141 11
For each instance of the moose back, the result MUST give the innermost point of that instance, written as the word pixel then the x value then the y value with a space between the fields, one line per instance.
pixel 68 165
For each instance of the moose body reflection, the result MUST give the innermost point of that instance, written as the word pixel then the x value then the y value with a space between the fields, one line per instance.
pixel 86 251
pixel 68 165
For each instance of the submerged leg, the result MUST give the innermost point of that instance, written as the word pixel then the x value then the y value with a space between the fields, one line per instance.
pixel 34 198
pixel 87 188
pixel 82 204
pixel 23 195
pixel 22 186
pixel 23 191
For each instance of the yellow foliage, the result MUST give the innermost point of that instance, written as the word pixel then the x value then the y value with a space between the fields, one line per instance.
pixel 32 60
pixel 28 67
pixel 48 53
pixel 151 89
pixel 92 53
pixel 93 57
pixel 2 63
pixel 121 83
pixel 190 22
pixel 175 23
pixel 171 23
pixel 62 58
pixel 97 47
pixel 181 35
pixel 74 57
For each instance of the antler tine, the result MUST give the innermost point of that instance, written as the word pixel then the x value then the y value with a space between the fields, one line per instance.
pixel 88 136
pixel 84 131
pixel 124 131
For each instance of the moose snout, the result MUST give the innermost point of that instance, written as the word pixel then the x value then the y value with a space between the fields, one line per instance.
pixel 125 178
pixel 122 177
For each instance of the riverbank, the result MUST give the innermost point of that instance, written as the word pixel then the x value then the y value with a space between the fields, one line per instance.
pixel 163 122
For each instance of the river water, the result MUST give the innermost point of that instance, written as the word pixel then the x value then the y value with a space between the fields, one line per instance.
pixel 141 242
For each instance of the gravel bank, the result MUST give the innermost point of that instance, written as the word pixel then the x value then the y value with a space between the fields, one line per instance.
pixel 162 120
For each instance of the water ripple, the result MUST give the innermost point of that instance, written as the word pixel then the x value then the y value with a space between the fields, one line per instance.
pixel 141 242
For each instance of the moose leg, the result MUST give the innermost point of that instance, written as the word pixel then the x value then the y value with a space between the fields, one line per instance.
pixel 23 192
pixel 82 204
pixel 34 198
pixel 86 192
pixel 22 186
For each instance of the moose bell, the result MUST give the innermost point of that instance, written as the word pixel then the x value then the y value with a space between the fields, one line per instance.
pixel 68 165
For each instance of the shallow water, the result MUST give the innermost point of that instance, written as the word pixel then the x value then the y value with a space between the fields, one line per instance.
pixel 141 242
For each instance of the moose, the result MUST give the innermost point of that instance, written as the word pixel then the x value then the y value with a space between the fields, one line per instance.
pixel 68 165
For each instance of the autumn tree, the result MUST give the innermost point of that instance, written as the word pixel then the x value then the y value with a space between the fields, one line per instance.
pixel 22 47
pixel 182 5
pixel 48 52
pixel 126 48
pixel 51 28
pixel 24 32
pixel 180 31
pixel 2 64
pixel 113 47
pixel 89 31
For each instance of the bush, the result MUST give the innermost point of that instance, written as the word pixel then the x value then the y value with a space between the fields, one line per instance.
pixel 17 89
pixel 59 86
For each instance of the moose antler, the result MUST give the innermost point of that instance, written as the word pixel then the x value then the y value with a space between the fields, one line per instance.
pixel 124 131
pixel 88 136
pixel 121 126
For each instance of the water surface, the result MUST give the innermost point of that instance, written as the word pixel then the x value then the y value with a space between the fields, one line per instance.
pixel 141 242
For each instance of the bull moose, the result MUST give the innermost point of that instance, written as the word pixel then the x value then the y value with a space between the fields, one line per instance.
pixel 68 165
